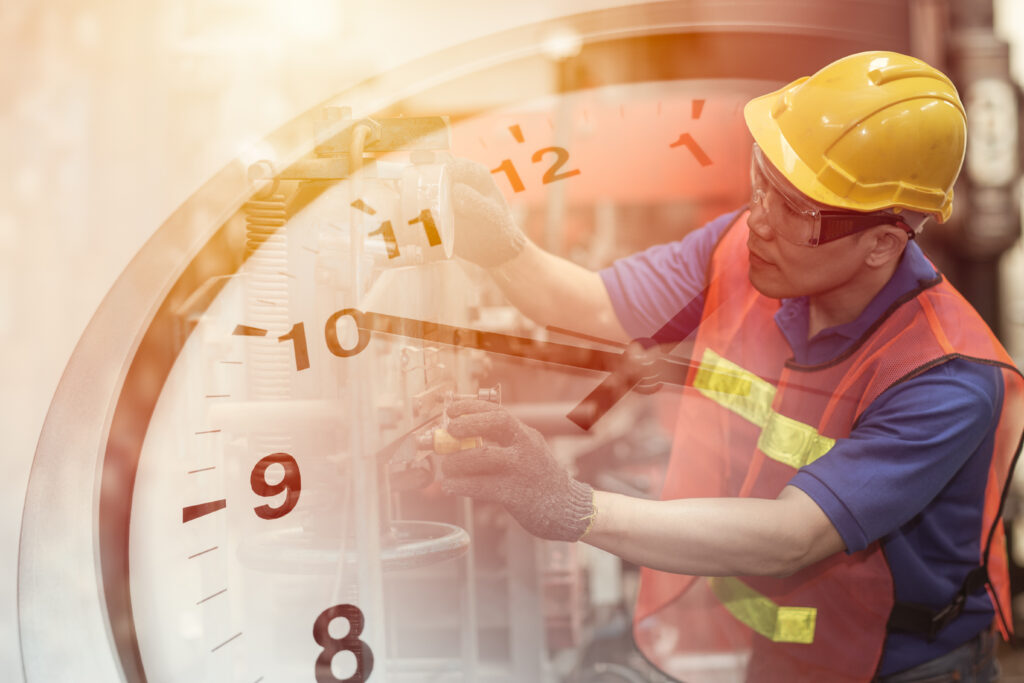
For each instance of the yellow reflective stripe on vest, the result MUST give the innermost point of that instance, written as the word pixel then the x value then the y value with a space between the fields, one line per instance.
pixel 782 438
pixel 734 388
pixel 793 443
pixel 778 624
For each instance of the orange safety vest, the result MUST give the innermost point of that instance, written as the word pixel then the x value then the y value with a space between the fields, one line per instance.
pixel 749 420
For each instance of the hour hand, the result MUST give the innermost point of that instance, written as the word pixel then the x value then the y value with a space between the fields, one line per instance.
pixel 627 369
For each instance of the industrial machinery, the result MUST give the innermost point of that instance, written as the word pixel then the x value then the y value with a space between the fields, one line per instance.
pixel 230 467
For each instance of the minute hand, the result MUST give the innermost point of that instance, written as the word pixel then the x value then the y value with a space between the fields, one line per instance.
pixel 629 367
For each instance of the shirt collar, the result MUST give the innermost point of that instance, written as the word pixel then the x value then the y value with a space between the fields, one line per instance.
pixel 793 315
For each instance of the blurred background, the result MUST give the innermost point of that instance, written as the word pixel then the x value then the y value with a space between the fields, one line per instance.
pixel 115 113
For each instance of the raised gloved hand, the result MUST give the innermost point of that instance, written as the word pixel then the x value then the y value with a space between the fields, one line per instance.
pixel 515 467
pixel 484 230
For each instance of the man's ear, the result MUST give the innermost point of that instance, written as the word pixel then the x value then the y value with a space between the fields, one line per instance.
pixel 885 244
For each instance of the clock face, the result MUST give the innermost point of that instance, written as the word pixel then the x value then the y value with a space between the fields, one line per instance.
pixel 260 503
pixel 261 510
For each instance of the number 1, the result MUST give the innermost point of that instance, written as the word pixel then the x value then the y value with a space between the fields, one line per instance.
pixel 512 173
pixel 298 335
pixel 388 233
pixel 429 226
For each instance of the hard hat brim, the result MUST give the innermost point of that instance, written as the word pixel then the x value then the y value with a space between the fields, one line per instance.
pixel 758 115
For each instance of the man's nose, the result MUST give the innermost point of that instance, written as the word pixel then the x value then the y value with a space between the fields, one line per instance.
pixel 757 222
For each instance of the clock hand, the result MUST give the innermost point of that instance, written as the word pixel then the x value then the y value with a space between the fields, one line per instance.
pixel 605 395
pixel 659 370
pixel 494 342
pixel 626 369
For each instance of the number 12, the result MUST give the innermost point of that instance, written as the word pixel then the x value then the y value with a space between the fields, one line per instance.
pixel 550 176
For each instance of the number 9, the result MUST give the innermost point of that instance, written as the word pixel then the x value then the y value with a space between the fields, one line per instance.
pixel 292 483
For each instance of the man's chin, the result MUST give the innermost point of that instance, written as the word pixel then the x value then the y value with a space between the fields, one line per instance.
pixel 765 286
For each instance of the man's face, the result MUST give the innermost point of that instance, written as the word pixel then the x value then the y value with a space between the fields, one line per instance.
pixel 779 268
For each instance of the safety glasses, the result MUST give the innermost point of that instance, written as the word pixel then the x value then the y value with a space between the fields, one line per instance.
pixel 797 219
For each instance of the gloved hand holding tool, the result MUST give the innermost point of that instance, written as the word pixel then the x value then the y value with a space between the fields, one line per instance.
pixel 485 232
pixel 515 467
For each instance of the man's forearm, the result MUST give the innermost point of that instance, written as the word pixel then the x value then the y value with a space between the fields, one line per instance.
pixel 554 291
pixel 715 536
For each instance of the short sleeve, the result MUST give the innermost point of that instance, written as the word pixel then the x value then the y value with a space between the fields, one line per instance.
pixel 659 292
pixel 905 451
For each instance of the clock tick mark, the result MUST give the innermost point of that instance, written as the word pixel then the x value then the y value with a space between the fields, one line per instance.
pixel 226 642
pixel 246 331
pixel 218 396
pixel 286 274
pixel 231 362
pixel 363 206
pixel 481 141
pixel 695 149
pixel 201 509
pixel 202 552
pixel 202 469
pixel 517 132
pixel 208 431
pixel 221 591
pixel 696 107
pixel 311 250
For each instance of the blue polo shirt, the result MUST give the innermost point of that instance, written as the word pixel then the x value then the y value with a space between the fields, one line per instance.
pixel 913 471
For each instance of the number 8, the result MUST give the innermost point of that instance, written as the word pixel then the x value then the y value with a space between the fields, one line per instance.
pixel 350 643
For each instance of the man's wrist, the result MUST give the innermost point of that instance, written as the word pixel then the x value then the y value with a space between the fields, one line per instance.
pixel 582 511
pixel 511 268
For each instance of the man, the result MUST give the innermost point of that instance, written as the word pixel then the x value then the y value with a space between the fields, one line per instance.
pixel 841 456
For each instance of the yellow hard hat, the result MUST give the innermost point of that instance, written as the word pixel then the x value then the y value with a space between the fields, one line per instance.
pixel 871 131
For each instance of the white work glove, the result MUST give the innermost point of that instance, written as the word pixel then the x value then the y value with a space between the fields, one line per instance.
pixel 485 232
pixel 515 467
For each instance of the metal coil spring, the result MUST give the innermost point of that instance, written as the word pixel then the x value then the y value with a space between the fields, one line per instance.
pixel 270 367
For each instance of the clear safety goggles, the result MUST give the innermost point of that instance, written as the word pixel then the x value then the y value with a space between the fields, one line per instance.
pixel 797 219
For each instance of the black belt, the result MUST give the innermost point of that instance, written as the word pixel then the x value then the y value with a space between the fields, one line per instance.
pixel 909 617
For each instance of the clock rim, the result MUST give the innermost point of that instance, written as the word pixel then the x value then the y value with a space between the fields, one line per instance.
pixel 93 401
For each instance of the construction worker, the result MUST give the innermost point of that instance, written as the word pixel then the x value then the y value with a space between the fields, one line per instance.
pixel 831 510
